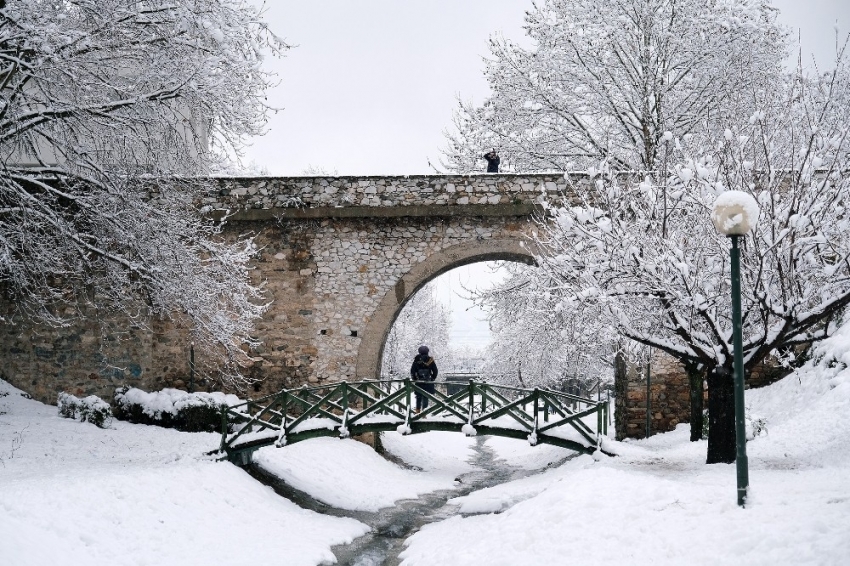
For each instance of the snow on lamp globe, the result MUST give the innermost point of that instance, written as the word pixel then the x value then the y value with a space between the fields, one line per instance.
pixel 735 214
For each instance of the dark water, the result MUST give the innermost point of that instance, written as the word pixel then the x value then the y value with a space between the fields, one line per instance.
pixel 393 525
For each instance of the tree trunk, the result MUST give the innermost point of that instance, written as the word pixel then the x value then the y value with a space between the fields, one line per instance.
pixel 621 391
pixel 721 416
pixel 695 379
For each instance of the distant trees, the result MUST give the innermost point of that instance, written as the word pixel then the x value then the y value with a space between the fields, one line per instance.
pixel 646 253
pixel 539 343
pixel 424 320
pixel 464 359
pixel 606 80
pixel 107 109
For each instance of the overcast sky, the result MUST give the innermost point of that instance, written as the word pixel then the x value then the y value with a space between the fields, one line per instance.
pixel 371 85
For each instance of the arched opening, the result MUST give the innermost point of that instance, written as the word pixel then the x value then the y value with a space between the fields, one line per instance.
pixel 378 327
pixel 446 316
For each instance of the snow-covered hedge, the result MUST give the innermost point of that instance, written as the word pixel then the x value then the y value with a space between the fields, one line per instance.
pixel 91 409
pixel 172 408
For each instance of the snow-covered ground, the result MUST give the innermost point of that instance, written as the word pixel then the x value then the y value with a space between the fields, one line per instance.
pixel 658 503
pixel 71 493
pixel 521 454
pixel 350 475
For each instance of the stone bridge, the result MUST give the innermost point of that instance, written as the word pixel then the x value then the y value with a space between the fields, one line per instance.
pixel 342 255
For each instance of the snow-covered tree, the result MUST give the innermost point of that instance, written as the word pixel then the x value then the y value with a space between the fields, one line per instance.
pixel 605 80
pixel 107 109
pixel 536 343
pixel 464 359
pixel 646 252
pixel 424 320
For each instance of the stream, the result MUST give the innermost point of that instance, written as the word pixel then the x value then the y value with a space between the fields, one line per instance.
pixel 391 526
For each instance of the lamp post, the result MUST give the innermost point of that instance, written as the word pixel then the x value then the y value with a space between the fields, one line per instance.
pixel 735 213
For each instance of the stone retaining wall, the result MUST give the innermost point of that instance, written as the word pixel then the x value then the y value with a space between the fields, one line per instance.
pixel 669 398
pixel 669 394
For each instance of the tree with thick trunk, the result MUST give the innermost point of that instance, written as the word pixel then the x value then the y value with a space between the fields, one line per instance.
pixel 644 249
pixel 695 384
pixel 613 82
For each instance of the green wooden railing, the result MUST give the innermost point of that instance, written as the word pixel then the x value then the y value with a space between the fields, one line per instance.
pixel 343 409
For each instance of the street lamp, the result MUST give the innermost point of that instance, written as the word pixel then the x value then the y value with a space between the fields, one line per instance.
pixel 735 213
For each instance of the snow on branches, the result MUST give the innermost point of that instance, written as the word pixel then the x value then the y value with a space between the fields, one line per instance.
pixel 424 320
pixel 538 339
pixel 646 252
pixel 605 80
pixel 94 95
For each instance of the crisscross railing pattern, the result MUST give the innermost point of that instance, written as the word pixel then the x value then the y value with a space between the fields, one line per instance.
pixel 343 409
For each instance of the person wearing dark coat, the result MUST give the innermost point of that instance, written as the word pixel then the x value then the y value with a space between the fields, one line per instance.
pixel 492 161
pixel 424 372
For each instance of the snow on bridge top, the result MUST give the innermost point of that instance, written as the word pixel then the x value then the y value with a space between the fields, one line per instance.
pixel 258 198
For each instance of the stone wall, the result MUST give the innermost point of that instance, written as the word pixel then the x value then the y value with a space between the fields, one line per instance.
pixel 92 358
pixel 669 394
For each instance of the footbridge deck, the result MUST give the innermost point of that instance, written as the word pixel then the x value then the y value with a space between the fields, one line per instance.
pixel 344 409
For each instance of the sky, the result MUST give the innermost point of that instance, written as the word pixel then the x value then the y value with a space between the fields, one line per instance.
pixel 370 86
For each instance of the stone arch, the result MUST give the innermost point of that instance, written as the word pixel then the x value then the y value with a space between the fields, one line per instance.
pixel 371 349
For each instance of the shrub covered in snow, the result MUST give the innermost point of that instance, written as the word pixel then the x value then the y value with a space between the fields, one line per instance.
pixel 172 408
pixel 91 409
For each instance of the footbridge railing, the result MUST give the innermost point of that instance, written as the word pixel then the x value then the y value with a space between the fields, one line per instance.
pixel 343 409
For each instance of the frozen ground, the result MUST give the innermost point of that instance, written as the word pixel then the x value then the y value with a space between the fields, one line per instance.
pixel 71 493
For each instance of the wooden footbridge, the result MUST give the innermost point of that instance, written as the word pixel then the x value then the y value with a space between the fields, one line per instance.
pixel 344 409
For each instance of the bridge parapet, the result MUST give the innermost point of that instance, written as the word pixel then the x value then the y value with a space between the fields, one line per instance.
pixel 289 195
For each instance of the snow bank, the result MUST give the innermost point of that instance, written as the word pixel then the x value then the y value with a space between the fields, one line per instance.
pixel 658 503
pixel 200 513
pixel 347 474
pixel 807 412
pixel 131 495
pixel 604 515
pixel 445 452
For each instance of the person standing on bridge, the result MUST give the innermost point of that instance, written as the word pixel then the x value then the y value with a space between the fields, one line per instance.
pixel 424 372
pixel 492 161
